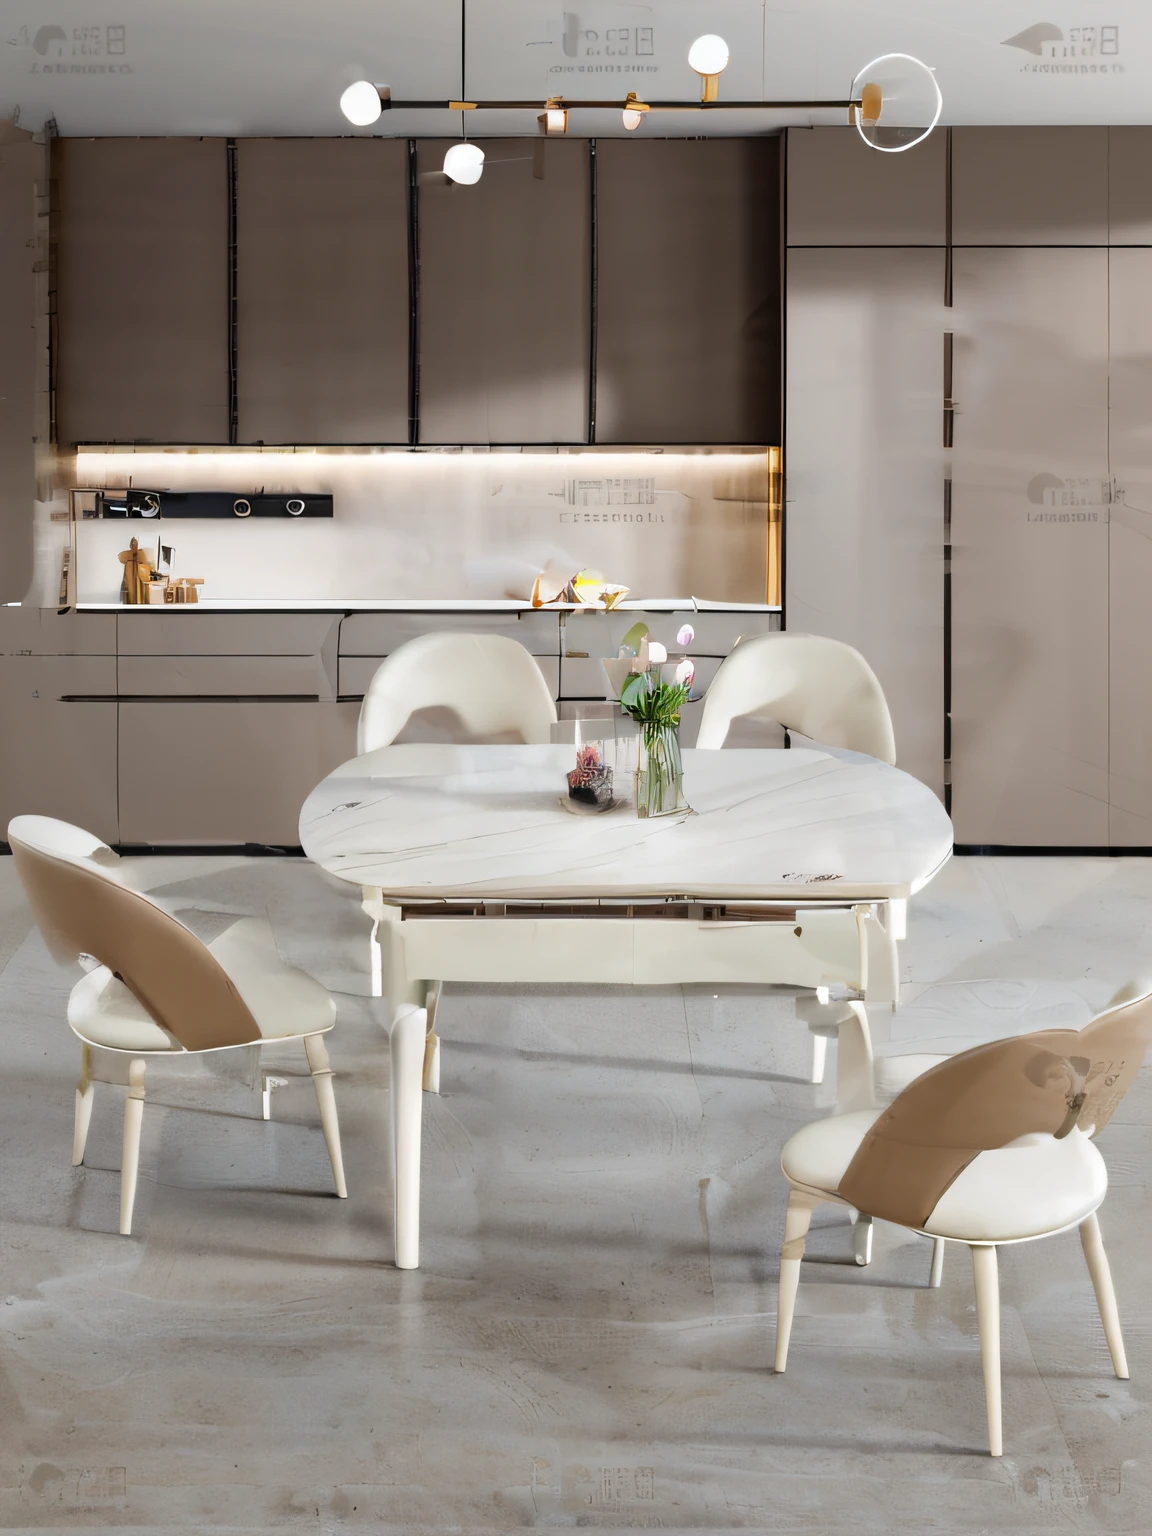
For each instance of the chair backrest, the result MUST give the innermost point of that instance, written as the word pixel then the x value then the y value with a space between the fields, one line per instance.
pixel 985 1098
pixel 489 683
pixel 807 683
pixel 82 908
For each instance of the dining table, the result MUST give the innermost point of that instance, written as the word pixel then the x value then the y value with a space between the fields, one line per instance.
pixel 791 867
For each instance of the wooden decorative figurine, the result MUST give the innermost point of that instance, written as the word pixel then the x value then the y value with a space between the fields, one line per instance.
pixel 137 574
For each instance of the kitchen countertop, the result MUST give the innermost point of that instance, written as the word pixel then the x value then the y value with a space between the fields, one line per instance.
pixel 419 605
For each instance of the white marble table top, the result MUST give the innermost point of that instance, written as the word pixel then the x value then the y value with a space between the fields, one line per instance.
pixel 444 822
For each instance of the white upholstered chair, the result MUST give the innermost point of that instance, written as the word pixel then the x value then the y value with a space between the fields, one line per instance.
pixel 152 988
pixel 809 684
pixel 989 1147
pixel 491 689
pixel 490 684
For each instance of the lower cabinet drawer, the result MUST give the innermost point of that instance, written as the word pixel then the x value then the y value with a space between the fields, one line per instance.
pixel 57 746
pixel 223 676
pixel 225 772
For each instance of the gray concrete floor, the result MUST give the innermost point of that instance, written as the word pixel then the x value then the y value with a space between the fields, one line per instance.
pixel 589 1340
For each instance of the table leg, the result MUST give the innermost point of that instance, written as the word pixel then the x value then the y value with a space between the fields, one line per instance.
pixel 406 1043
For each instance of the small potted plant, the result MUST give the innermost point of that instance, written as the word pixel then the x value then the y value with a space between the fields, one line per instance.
pixel 653 691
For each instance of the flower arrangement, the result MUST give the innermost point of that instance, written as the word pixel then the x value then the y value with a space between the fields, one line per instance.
pixel 653 691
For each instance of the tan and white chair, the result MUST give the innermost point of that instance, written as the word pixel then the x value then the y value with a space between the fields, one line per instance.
pixel 825 690
pixel 154 988
pixel 491 690
pixel 992 1146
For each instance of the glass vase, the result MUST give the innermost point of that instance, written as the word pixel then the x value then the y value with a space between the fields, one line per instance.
pixel 659 772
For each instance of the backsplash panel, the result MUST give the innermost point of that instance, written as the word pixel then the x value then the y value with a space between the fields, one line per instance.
pixel 447 524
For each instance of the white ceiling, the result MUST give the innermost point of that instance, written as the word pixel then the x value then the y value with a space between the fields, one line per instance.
pixel 278 66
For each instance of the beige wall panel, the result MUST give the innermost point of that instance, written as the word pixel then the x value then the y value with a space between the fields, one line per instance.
pixel 226 773
pixel 1030 186
pixel 865 475
pixel 1130 548
pixel 1030 549
pixel 222 676
pixel 58 758
pixel 142 290
pixel 322 288
pixel 1130 186
pixel 688 294
pixel 505 296
pixel 840 192
pixel 21 165
pixel 379 634
pixel 197 632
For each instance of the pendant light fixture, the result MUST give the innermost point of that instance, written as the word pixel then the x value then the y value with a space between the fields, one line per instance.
pixel 896 103
pixel 362 103
pixel 633 113
pixel 464 163
pixel 708 56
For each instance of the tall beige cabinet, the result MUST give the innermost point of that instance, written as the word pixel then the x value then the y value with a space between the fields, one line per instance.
pixel 1051 701
pixel 865 466
pixel 969 461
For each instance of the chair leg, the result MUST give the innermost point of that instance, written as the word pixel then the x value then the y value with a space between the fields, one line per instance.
pixel 936 1274
pixel 862 1239
pixel 130 1157
pixel 406 1044
pixel 85 1093
pixel 987 1279
pixel 432 1042
pixel 819 1057
pixel 321 1070
pixel 1093 1246
pixel 796 1223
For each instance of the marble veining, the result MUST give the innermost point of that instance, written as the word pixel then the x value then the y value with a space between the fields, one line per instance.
pixel 445 821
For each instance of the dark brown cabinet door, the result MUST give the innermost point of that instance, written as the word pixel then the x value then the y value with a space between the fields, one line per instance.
pixel 142 290
pixel 505 296
pixel 688 296
pixel 322 290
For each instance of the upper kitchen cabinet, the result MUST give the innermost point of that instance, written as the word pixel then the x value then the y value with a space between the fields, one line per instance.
pixel 1029 186
pixel 141 234
pixel 505 295
pixel 688 291
pixel 842 193
pixel 322 290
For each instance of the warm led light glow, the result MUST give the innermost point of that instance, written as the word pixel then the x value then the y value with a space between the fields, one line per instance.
pixel 360 103
pixel 633 113
pixel 464 163
pixel 554 120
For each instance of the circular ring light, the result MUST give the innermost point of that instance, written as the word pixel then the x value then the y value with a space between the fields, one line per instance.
pixel 900 102
pixel 464 163
pixel 360 103
pixel 242 507
pixel 294 507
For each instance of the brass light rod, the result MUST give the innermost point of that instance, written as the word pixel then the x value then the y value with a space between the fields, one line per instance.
pixel 618 106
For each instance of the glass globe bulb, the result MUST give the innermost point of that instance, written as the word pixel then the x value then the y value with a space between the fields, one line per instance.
pixel 708 55
pixel 464 163
pixel 631 119
pixel 900 102
pixel 360 103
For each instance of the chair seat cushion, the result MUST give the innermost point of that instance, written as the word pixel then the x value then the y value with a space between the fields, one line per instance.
pixel 1035 1185
pixel 285 1002
pixel 818 1155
